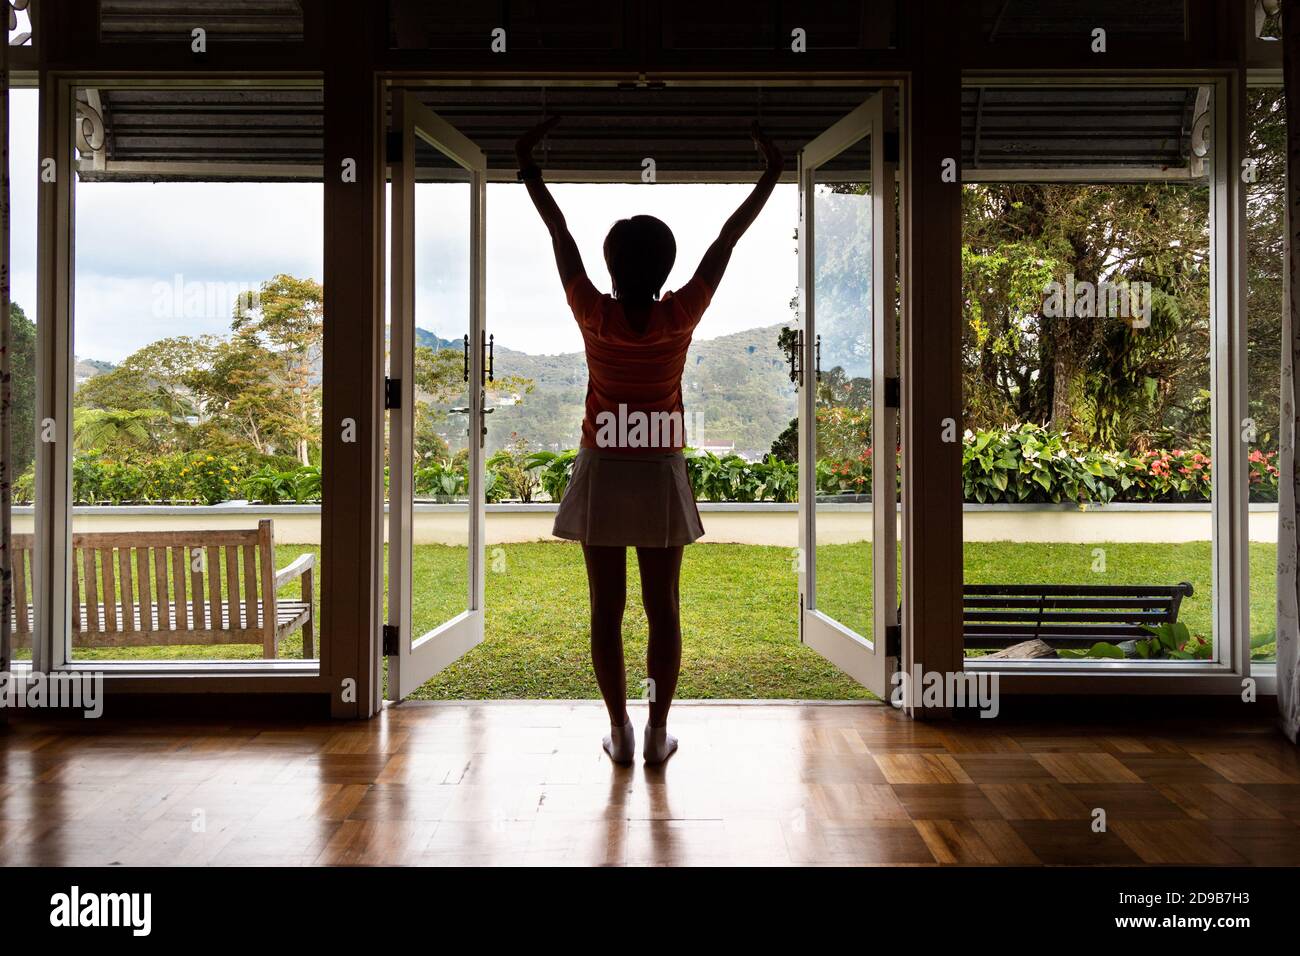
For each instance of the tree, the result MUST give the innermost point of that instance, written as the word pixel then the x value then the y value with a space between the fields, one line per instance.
pixel 285 319
pixel 157 377
pixel 440 384
pixel 1004 348
pixel 243 397
pixel 1266 256
pixel 22 368
pixel 1088 374
pixel 97 429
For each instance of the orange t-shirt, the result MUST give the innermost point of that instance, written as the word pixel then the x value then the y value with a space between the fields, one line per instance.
pixel 634 381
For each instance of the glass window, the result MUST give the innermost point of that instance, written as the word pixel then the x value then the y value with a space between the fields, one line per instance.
pixel 1087 383
pixel 198 334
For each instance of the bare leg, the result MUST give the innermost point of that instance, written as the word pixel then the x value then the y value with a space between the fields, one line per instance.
pixel 660 593
pixel 607 590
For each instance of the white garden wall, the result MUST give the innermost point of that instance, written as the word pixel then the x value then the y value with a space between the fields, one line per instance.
pixel 767 524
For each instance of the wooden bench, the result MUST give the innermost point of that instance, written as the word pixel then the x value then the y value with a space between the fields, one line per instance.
pixel 1066 615
pixel 147 588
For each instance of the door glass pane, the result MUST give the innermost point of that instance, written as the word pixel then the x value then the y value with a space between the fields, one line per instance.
pixel 1088 365
pixel 842 377
pixel 441 519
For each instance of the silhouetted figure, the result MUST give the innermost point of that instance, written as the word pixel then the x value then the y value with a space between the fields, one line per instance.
pixel 629 486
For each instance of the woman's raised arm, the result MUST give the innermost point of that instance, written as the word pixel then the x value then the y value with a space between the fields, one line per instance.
pixel 567 258
pixel 715 260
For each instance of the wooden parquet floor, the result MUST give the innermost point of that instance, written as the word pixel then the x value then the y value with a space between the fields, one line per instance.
pixel 527 783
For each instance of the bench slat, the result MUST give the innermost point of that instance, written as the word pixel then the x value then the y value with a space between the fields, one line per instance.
pixel 76 594
pixel 124 582
pixel 1049 627
pixel 251 620
pixel 198 620
pixel 144 575
pixel 266 561
pixel 109 591
pixel 1100 602
pixel 19 561
pixel 1061 617
pixel 1183 589
pixel 160 579
pixel 214 587
pixel 163 539
pixel 92 591
pixel 232 587
pixel 179 615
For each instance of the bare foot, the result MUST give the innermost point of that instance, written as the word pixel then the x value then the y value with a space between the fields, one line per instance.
pixel 659 744
pixel 621 742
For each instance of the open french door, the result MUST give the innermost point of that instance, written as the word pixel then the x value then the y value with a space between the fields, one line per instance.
pixel 436 406
pixel 848 401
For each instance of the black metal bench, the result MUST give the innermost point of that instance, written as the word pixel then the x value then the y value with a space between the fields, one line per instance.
pixel 998 616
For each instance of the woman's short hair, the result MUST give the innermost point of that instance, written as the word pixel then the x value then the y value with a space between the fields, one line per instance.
pixel 639 253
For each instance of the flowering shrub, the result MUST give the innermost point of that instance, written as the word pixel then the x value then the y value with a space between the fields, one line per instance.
pixel 1032 464
pixel 845 476
pixel 213 480
pixel 1263 475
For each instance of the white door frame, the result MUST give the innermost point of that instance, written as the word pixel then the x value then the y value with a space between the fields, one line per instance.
pixel 862 657
pixel 412 658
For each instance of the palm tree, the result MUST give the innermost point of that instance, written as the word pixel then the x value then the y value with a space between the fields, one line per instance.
pixel 99 428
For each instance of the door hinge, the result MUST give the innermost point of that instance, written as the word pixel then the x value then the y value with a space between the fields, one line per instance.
pixel 391 633
pixel 893 640
pixel 393 146
pixel 893 393
pixel 392 392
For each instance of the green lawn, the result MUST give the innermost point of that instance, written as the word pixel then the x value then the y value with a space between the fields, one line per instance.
pixel 739 612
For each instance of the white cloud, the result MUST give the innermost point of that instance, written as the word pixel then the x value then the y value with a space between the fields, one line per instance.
pixel 132 236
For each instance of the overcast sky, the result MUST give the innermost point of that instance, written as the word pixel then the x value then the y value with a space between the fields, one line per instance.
pixel 135 239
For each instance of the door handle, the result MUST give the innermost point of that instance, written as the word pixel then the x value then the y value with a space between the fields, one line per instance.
pixel 818 368
pixel 792 341
pixel 489 362
pixel 483 411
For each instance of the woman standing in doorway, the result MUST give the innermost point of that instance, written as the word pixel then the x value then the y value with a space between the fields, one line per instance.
pixel 629 486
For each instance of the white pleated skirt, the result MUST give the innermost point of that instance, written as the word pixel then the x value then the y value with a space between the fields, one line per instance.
pixel 622 499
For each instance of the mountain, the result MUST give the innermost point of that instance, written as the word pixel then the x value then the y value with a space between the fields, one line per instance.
pixel 735 387
pixel 423 337
pixel 86 369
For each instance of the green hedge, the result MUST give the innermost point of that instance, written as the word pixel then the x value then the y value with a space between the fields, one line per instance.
pixel 1028 464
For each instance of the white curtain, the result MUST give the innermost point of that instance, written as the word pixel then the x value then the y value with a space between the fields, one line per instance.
pixel 1288 581
pixel 6 531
